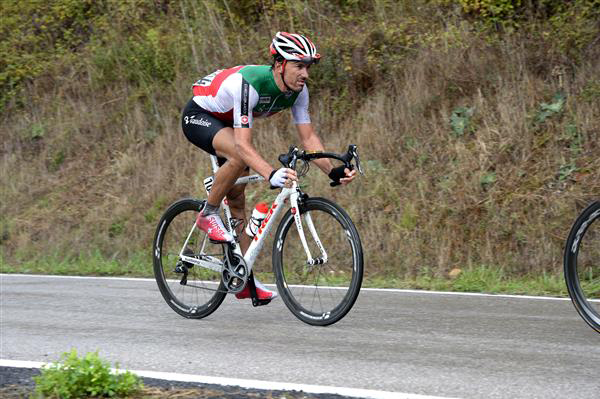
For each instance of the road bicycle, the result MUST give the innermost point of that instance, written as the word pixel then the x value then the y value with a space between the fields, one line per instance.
pixel 317 253
pixel 582 265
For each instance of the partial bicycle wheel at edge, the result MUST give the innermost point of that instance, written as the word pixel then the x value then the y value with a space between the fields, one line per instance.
pixel 318 294
pixel 582 265
pixel 190 290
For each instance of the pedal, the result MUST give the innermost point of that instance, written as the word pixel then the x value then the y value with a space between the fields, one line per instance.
pixel 255 300
pixel 260 302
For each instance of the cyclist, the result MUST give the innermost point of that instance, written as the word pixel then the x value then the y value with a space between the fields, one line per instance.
pixel 219 120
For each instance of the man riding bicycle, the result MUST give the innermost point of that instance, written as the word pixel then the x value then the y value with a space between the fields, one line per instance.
pixel 219 119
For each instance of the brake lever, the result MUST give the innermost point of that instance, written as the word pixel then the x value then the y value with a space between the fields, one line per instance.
pixel 294 159
pixel 290 158
pixel 354 152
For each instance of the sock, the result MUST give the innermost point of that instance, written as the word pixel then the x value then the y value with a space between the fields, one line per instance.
pixel 210 209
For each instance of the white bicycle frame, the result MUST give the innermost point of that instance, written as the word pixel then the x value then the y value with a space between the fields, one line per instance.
pixel 259 239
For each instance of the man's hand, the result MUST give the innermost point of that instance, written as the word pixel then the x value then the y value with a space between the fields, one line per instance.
pixel 350 175
pixel 279 177
pixel 342 175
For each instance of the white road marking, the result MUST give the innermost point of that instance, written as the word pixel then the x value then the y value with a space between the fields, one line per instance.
pixel 252 384
pixel 406 291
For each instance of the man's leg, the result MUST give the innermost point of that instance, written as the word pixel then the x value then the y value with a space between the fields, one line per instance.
pixel 224 145
pixel 209 219
pixel 235 167
pixel 237 205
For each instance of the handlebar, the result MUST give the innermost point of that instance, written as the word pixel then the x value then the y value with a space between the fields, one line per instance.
pixel 294 154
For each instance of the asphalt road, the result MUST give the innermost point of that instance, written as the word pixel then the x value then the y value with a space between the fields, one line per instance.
pixel 419 343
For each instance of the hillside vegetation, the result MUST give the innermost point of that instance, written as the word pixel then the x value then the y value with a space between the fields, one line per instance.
pixel 478 122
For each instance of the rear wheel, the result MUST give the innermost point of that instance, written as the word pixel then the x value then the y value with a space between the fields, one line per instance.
pixel 319 294
pixel 191 290
pixel 582 265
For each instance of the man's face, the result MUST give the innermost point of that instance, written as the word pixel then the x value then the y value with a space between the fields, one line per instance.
pixel 295 75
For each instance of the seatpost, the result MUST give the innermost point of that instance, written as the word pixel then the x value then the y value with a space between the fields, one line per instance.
pixel 214 163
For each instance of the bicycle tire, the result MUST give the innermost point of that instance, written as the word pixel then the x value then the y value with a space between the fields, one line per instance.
pixel 333 293
pixel 585 235
pixel 206 291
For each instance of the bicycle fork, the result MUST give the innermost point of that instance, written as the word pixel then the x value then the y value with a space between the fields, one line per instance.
pixel 311 227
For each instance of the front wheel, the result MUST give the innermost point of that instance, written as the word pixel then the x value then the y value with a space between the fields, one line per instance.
pixel 319 294
pixel 582 265
pixel 193 290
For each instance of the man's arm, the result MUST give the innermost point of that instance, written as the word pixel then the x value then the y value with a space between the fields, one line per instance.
pixel 244 146
pixel 248 153
pixel 311 142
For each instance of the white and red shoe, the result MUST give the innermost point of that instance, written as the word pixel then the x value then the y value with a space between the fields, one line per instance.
pixel 261 291
pixel 213 226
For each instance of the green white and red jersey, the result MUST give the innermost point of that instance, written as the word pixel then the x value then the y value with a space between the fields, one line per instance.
pixel 238 95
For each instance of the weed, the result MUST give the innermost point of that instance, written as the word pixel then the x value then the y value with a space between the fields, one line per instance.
pixel 591 92
pixel 566 171
pixel 547 110
pixel 460 120
pixel 573 136
pixel 57 159
pixel 116 228
pixel 87 376
pixel 37 131
pixel 487 179
pixel 408 219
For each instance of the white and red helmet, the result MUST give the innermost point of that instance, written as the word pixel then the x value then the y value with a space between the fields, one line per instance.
pixel 294 47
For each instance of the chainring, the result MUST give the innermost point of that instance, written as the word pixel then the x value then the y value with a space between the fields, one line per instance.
pixel 235 272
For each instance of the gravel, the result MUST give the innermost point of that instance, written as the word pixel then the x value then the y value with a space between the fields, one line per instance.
pixel 18 383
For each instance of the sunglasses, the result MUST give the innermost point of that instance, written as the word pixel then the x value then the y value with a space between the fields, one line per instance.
pixel 309 59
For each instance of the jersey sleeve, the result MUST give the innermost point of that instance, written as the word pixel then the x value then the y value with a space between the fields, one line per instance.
pixel 245 99
pixel 300 108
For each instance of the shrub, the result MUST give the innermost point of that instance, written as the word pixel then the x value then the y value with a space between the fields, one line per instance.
pixel 35 34
pixel 88 376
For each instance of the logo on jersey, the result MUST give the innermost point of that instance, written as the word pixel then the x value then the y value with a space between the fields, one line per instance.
pixel 244 120
pixel 207 80
pixel 200 122
pixel 264 100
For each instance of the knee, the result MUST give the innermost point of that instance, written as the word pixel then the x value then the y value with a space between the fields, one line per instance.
pixel 237 163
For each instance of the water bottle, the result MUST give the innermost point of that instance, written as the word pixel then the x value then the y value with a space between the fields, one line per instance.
pixel 258 215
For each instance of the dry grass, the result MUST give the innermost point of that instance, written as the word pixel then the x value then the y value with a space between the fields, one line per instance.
pixel 94 170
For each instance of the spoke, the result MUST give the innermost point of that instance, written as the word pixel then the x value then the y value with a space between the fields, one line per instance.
pixel 198 290
pixel 204 288
pixel 307 284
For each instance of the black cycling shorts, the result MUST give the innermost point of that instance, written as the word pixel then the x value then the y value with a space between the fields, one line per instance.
pixel 200 128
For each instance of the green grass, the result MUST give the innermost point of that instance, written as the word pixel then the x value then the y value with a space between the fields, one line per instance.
pixel 487 279
pixel 92 264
